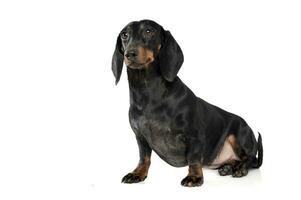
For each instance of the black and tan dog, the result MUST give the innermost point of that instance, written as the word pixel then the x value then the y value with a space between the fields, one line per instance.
pixel 168 118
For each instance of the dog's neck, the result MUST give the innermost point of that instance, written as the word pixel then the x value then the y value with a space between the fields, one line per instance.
pixel 142 77
pixel 146 85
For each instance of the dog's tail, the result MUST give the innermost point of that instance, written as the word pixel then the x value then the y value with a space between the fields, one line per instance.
pixel 260 152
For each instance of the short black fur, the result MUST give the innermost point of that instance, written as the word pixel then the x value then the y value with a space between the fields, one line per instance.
pixel 165 114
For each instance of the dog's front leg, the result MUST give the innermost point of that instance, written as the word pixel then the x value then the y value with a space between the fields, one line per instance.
pixel 140 173
pixel 194 177
pixel 195 171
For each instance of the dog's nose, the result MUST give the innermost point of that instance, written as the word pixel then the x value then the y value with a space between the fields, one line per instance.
pixel 131 54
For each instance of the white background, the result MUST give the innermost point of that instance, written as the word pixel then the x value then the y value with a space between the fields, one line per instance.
pixel 64 131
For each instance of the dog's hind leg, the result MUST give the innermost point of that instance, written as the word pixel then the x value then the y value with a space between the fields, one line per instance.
pixel 244 151
pixel 245 147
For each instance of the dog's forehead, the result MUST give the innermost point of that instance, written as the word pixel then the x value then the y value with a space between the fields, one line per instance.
pixel 147 23
pixel 139 25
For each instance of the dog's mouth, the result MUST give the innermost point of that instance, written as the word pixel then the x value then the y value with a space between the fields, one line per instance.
pixel 135 65
pixel 138 65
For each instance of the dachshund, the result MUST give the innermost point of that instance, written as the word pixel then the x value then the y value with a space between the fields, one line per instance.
pixel 167 117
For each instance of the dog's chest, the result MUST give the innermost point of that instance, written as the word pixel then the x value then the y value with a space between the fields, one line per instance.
pixel 166 142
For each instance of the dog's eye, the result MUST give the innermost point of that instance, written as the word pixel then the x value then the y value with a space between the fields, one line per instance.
pixel 124 35
pixel 149 32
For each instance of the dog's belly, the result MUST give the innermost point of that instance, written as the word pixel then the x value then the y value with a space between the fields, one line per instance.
pixel 168 144
pixel 226 154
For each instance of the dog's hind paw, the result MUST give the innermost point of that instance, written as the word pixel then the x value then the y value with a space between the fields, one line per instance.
pixel 240 172
pixel 225 170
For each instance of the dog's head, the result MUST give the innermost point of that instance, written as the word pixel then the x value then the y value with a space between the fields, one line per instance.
pixel 140 43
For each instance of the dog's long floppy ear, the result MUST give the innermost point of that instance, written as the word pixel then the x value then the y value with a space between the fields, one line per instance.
pixel 117 61
pixel 170 57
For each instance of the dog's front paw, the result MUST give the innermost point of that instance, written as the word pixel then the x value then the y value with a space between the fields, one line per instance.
pixel 133 178
pixel 192 181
